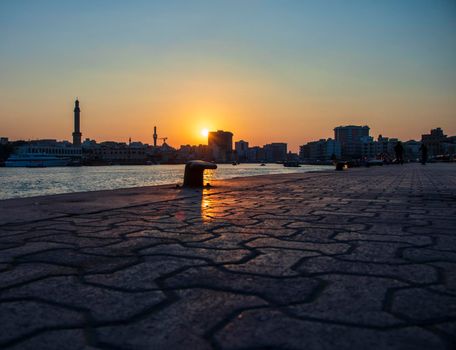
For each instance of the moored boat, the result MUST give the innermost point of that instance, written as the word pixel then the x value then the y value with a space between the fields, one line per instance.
pixel 35 160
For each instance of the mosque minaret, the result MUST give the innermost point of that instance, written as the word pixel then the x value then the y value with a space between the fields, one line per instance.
pixel 77 132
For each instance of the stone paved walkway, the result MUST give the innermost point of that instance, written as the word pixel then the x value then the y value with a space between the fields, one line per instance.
pixel 360 259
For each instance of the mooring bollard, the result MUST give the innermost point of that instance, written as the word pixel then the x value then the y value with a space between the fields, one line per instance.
pixel 194 170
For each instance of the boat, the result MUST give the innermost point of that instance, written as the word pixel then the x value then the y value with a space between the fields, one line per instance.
pixel 35 160
pixel 262 164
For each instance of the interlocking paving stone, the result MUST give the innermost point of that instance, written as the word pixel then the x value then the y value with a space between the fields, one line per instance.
pixel 21 318
pixel 115 306
pixel 55 340
pixel 181 325
pixel 270 329
pixel 359 259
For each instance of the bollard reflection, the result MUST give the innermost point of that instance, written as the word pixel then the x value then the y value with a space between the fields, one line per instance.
pixel 208 175
pixel 207 206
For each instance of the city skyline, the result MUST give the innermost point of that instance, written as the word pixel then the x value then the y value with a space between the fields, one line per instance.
pixel 268 73
pixel 205 133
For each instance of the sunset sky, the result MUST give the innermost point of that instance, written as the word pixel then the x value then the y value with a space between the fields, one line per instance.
pixel 267 70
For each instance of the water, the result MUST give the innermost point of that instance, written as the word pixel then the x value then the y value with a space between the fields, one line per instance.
pixel 28 182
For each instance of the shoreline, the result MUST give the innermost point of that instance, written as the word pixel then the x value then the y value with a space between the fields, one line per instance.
pixel 27 183
pixel 86 202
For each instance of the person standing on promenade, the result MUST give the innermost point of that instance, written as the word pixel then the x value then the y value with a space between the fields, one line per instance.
pixel 399 150
pixel 424 153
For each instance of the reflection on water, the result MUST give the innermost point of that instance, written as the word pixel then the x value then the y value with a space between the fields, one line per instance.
pixel 27 182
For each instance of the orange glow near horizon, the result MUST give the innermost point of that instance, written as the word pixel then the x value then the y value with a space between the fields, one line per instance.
pixel 255 108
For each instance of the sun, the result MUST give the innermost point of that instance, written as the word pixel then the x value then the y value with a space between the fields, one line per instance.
pixel 204 132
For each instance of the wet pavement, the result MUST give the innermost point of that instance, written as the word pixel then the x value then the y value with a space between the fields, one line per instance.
pixel 359 259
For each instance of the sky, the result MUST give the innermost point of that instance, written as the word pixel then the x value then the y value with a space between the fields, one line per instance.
pixel 266 70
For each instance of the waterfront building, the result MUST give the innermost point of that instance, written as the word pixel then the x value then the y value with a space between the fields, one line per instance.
pixel 275 152
pixel 241 148
pixel 412 150
pixel 368 147
pixel 434 141
pixel 350 138
pixel 293 157
pixel 255 154
pixel 77 132
pixel 321 150
pixel 385 146
pixel 110 152
pixel 188 152
pixel 221 144
pixel 6 148
pixel 449 147
pixel 162 154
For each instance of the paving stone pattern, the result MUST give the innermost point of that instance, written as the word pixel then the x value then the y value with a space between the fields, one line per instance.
pixel 360 259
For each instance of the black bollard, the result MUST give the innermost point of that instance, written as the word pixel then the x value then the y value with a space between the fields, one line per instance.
pixel 341 165
pixel 194 170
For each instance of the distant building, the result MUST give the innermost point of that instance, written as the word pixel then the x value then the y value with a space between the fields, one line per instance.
pixel 322 150
pixel 221 144
pixel 275 152
pixel 77 132
pixel 434 141
pixel 292 157
pixel 6 148
pixel 412 150
pixel 385 146
pixel 368 147
pixel 449 146
pixel 256 154
pixel 241 147
pixel 350 138
pixel 111 152
pixel 188 152
pixel 162 154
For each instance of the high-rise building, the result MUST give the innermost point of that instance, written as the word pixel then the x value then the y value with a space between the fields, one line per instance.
pixel 350 138
pixel 221 144
pixel 412 150
pixel 320 150
pixel 256 154
pixel 275 152
pixel 434 141
pixel 241 147
pixel 77 132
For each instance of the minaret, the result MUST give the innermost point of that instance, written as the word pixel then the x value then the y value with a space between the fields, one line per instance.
pixel 155 136
pixel 77 133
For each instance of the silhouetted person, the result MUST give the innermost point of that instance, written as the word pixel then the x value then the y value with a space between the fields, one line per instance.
pixel 424 153
pixel 399 150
